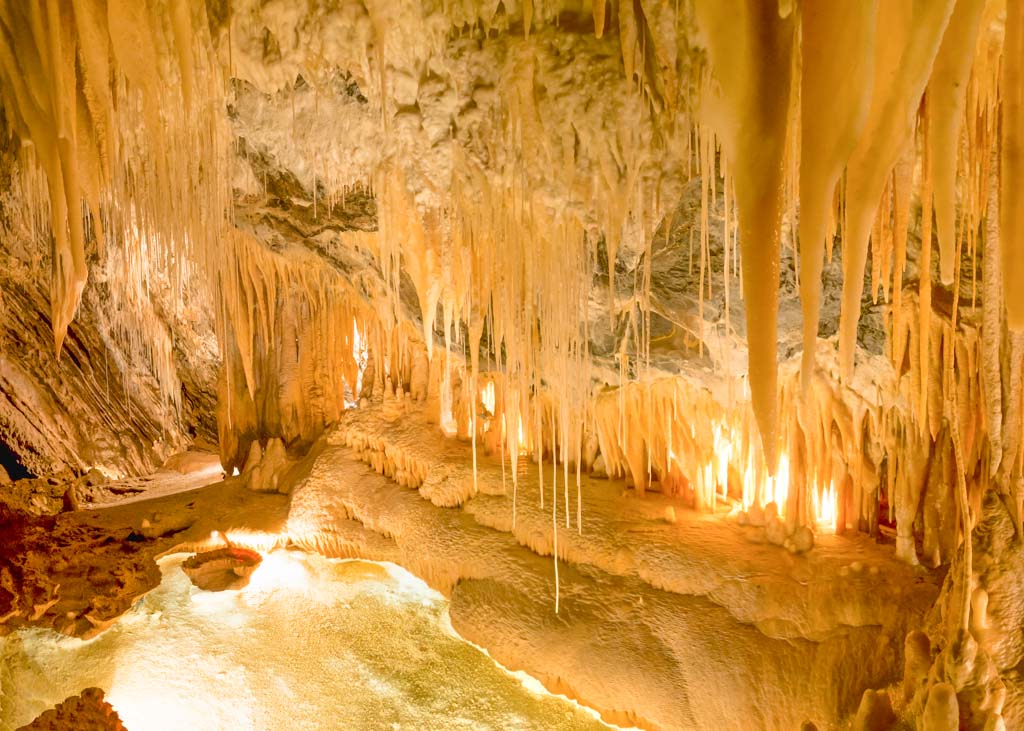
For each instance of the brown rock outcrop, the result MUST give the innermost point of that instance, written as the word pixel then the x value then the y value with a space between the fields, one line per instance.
pixel 67 576
pixel 86 712
pixel 222 569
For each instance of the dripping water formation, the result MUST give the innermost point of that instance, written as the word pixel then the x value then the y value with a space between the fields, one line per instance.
pixel 540 364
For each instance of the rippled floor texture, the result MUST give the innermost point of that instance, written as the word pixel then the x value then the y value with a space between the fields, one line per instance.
pixel 310 644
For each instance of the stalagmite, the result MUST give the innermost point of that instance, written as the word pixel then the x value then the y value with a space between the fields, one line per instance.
pixel 941 712
pixel 874 712
pixel 917 662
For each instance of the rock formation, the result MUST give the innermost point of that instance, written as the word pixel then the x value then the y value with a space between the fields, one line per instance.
pixel 88 712
pixel 222 569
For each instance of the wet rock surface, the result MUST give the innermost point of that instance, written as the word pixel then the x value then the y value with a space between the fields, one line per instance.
pixel 72 578
pixel 222 569
pixel 77 572
pixel 784 636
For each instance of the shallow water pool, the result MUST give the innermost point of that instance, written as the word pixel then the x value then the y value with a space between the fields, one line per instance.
pixel 311 643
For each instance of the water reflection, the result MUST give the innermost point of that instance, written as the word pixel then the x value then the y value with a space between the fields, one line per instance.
pixel 310 644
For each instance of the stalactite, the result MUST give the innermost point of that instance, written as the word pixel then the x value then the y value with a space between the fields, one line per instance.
pixel 924 289
pixel 1011 170
pixel 598 9
pixel 554 526
pixel 946 98
pixel 1012 419
pixel 880 242
pixel 901 68
pixel 835 95
pixel 753 71
pixel 992 327
pixel 902 182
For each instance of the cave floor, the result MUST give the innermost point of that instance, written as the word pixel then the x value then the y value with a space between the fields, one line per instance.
pixel 731 632
pixel 194 470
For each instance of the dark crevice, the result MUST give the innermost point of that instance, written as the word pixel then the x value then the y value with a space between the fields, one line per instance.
pixel 12 463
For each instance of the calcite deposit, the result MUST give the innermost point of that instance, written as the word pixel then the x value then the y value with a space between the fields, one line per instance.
pixel 678 344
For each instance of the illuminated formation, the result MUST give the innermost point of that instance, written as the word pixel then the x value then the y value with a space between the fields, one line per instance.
pixel 727 284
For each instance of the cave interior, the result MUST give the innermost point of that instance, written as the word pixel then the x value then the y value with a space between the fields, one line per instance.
pixel 520 364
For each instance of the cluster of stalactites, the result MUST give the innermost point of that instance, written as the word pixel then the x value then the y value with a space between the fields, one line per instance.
pixel 817 107
pixel 500 263
pixel 830 95
pixel 851 458
pixel 119 104
pixel 296 337
pixel 502 255
pixel 290 335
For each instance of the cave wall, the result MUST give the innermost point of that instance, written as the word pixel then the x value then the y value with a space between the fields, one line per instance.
pixel 99 404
